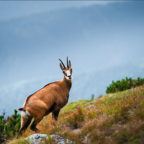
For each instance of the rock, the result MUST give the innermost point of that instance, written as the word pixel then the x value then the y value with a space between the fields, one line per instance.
pixel 39 138
pixel 60 140
pixel 36 138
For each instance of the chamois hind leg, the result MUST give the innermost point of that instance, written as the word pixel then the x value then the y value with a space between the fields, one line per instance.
pixel 25 121
pixel 33 125
pixel 55 114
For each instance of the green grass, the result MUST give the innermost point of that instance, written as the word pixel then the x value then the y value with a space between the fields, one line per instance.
pixel 73 105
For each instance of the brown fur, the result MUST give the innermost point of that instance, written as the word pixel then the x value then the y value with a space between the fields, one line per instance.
pixel 51 98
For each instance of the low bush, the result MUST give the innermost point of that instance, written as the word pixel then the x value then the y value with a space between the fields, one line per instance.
pixel 124 84
pixel 9 126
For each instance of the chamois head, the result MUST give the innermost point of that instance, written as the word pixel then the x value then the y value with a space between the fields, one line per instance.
pixel 67 70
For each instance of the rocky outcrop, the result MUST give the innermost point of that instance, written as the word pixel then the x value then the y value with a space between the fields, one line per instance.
pixel 60 140
pixel 36 138
pixel 39 138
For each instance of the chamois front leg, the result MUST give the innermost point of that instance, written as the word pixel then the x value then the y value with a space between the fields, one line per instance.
pixel 55 114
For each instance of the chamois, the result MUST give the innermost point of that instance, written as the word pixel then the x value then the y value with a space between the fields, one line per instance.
pixel 51 98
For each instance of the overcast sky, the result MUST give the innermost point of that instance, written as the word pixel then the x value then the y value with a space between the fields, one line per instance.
pixel 95 35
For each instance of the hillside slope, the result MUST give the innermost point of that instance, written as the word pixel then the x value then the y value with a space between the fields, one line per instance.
pixel 114 118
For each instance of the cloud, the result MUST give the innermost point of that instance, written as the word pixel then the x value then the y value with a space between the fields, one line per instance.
pixel 18 9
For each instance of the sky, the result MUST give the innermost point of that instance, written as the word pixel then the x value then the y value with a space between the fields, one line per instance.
pixel 96 35
pixel 31 30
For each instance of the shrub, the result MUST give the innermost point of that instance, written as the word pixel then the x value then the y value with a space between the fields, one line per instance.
pixel 124 84
pixel 9 126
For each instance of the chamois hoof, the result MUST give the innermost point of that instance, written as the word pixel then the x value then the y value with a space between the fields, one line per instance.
pixel 35 129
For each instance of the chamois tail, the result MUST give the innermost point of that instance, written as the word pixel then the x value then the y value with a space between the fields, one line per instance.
pixel 20 109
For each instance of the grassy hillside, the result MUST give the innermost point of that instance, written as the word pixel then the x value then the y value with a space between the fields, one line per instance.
pixel 114 118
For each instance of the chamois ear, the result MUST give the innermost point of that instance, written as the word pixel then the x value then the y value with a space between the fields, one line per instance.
pixel 62 68
pixel 69 64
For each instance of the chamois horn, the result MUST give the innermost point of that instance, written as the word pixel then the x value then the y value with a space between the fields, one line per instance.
pixel 62 63
pixel 67 62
